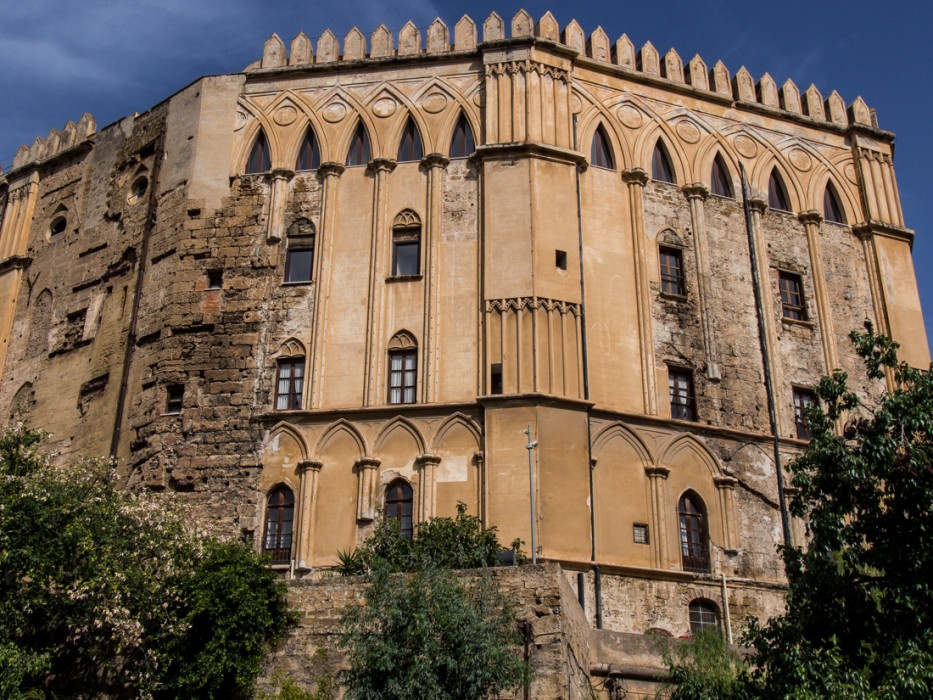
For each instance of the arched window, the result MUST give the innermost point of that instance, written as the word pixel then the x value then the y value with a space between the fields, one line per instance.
pixel 403 368
pixel 399 506
pixel 693 534
pixel 462 143
pixel 661 169
pixel 406 244
pixel 720 182
pixel 359 153
pixel 259 161
pixel 409 148
pixel 832 211
pixel 704 615
pixel 299 255
pixel 601 152
pixel 290 377
pixel 309 157
pixel 777 193
pixel 280 514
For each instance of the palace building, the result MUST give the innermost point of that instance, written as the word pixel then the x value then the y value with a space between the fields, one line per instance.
pixel 380 275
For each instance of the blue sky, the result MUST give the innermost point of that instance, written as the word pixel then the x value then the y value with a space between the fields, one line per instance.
pixel 61 58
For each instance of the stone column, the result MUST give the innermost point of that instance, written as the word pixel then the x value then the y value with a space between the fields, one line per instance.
pixel 279 197
pixel 758 208
pixel 373 392
pixel 366 471
pixel 324 254
pixel 730 531
pixel 435 164
pixel 427 487
pixel 307 471
pixel 479 459
pixel 696 194
pixel 657 476
pixel 811 221
pixel 636 179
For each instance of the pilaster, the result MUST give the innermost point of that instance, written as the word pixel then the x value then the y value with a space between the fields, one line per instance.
pixel 307 471
pixel 435 164
pixel 811 221
pixel 427 486
pixel 657 478
pixel 696 194
pixel 366 471
pixel 725 485
pixel 280 178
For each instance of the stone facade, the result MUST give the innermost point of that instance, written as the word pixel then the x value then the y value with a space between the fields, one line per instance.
pixel 471 244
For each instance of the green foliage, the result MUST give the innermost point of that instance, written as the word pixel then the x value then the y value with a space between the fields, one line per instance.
pixel 324 683
pixel 103 591
pixel 430 636
pixel 706 668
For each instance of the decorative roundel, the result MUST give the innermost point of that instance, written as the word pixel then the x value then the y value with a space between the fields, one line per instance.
pixel 285 115
pixel 334 112
pixel 850 173
pixel 800 160
pixel 576 105
pixel 434 103
pixel 384 107
pixel 745 145
pixel 630 117
pixel 688 131
pixel 240 120
pixel 479 98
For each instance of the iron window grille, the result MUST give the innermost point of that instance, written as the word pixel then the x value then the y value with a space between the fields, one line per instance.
pixel 280 515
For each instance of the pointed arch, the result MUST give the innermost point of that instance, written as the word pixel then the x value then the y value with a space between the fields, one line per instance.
pixel 661 168
pixel 623 432
pixel 832 207
pixel 456 420
pixel 690 443
pixel 405 425
pixel 594 114
pixel 260 159
pixel 462 143
pixel 601 150
pixel 721 178
pixel 693 526
pixel 777 192
pixel 410 146
pixel 359 151
pixel 292 348
pixel 309 153
pixel 398 503
pixel 338 428
pixel 278 525
pixel 285 428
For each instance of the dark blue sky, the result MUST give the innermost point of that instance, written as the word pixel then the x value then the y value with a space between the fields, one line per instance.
pixel 61 58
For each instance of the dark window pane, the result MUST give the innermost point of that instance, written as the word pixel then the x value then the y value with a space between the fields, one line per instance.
pixel 704 615
pixel 683 403
pixel 407 254
pixel 803 399
pixel 280 515
pixel 777 194
pixel 298 262
pixel 403 376
pixel 719 179
pixel 792 302
pixel 600 153
pixel 398 506
pixel 693 547
pixel 409 148
pixel 831 209
pixel 672 272
pixel 309 157
pixel 289 384
pixel 462 143
pixel 661 169
pixel 259 156
pixel 358 153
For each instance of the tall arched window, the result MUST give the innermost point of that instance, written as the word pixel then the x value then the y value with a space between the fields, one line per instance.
pixel 694 549
pixel 462 143
pixel 280 514
pixel 661 169
pixel 832 210
pixel 309 157
pixel 720 182
pixel 777 193
pixel 290 376
pixel 403 368
pixel 359 153
pixel 409 148
pixel 399 506
pixel 259 161
pixel 704 615
pixel 601 152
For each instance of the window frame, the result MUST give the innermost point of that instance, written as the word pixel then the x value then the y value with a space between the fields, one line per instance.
pixel 462 142
pixel 683 403
pixel 720 181
pixel 278 543
pixel 402 238
pixel 803 398
pixel 601 155
pixel 410 141
pixel 793 301
pixel 174 399
pixel 661 166
pixel 698 610
pixel 260 159
pixel 293 395
pixel 359 152
pixel 778 199
pixel 673 279
pixel 405 500
pixel 404 379
pixel 693 528
pixel 314 162
pixel 302 245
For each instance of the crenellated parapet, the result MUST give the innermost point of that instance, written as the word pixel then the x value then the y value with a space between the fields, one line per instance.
pixel 645 62
pixel 56 142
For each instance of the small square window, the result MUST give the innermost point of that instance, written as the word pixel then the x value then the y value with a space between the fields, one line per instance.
pixel 215 279
pixel 672 272
pixel 560 259
pixel 803 399
pixel 640 533
pixel 793 306
pixel 174 398
pixel 683 401
pixel 298 262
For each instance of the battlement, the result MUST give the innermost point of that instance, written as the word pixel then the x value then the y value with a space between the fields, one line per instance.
pixel 56 142
pixel 645 62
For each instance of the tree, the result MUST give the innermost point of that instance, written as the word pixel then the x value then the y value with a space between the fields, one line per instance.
pixel 859 615
pixel 103 591
pixel 429 633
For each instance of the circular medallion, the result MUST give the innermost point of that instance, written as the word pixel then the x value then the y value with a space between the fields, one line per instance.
pixel 285 115
pixel 576 106
pixel 630 116
pixel 479 98
pixel 240 120
pixel 851 175
pixel 745 146
pixel 434 102
pixel 334 112
pixel 800 160
pixel 384 107
pixel 688 131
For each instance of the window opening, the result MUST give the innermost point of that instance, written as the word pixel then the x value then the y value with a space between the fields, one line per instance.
pixel 138 190
pixel 560 259
pixel 399 499
pixel 280 516
pixel 693 546
pixel 777 193
pixel 704 615
pixel 289 383
pixel 495 378
pixel 793 306
pixel 462 143
pixel 406 249
pixel 259 161
pixel 672 272
pixel 640 533
pixel 601 153
pixel 803 399
pixel 832 211
pixel 215 279
pixel 58 225
pixel 298 262
pixel 683 401
pixel 359 153
pixel 403 366
pixel 720 182
pixel 661 169
pixel 410 148
pixel 309 157
pixel 174 398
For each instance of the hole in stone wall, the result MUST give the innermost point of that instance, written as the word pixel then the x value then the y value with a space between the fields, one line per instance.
pixel 58 225
pixel 138 190
pixel 215 279
pixel 560 259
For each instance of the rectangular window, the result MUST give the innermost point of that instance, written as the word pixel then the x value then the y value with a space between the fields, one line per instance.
pixel 560 259
pixel 174 398
pixel 793 306
pixel 406 254
pixel 803 399
pixel 298 262
pixel 289 383
pixel 215 279
pixel 495 378
pixel 672 272
pixel 403 370
pixel 640 533
pixel 683 402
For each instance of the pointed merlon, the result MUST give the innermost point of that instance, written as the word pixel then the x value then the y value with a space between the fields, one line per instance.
pixel 521 24
pixel 465 34
pixel 722 83
pixel 273 52
pixel 409 40
pixel 813 104
pixel 597 46
pixel 21 157
pixel 790 97
pixel 574 36
pixel 744 86
pixel 648 61
pixel 493 28
pixel 547 28
pixel 69 133
pixel 624 53
pixel 354 45
pixel 300 53
pixel 859 112
pixel 673 67
pixel 438 37
pixel 836 109
pixel 697 73
pixel 86 127
pixel 328 48
pixel 767 91
pixel 381 43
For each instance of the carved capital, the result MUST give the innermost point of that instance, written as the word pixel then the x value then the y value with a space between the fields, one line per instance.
pixel 695 191
pixel 810 217
pixel 382 165
pixel 725 482
pixel 635 176
pixel 331 169
pixel 657 472
pixel 758 204
pixel 308 464
pixel 366 463
pixel 863 231
pixel 425 460
pixel 435 160
pixel 479 458
pixel 281 174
